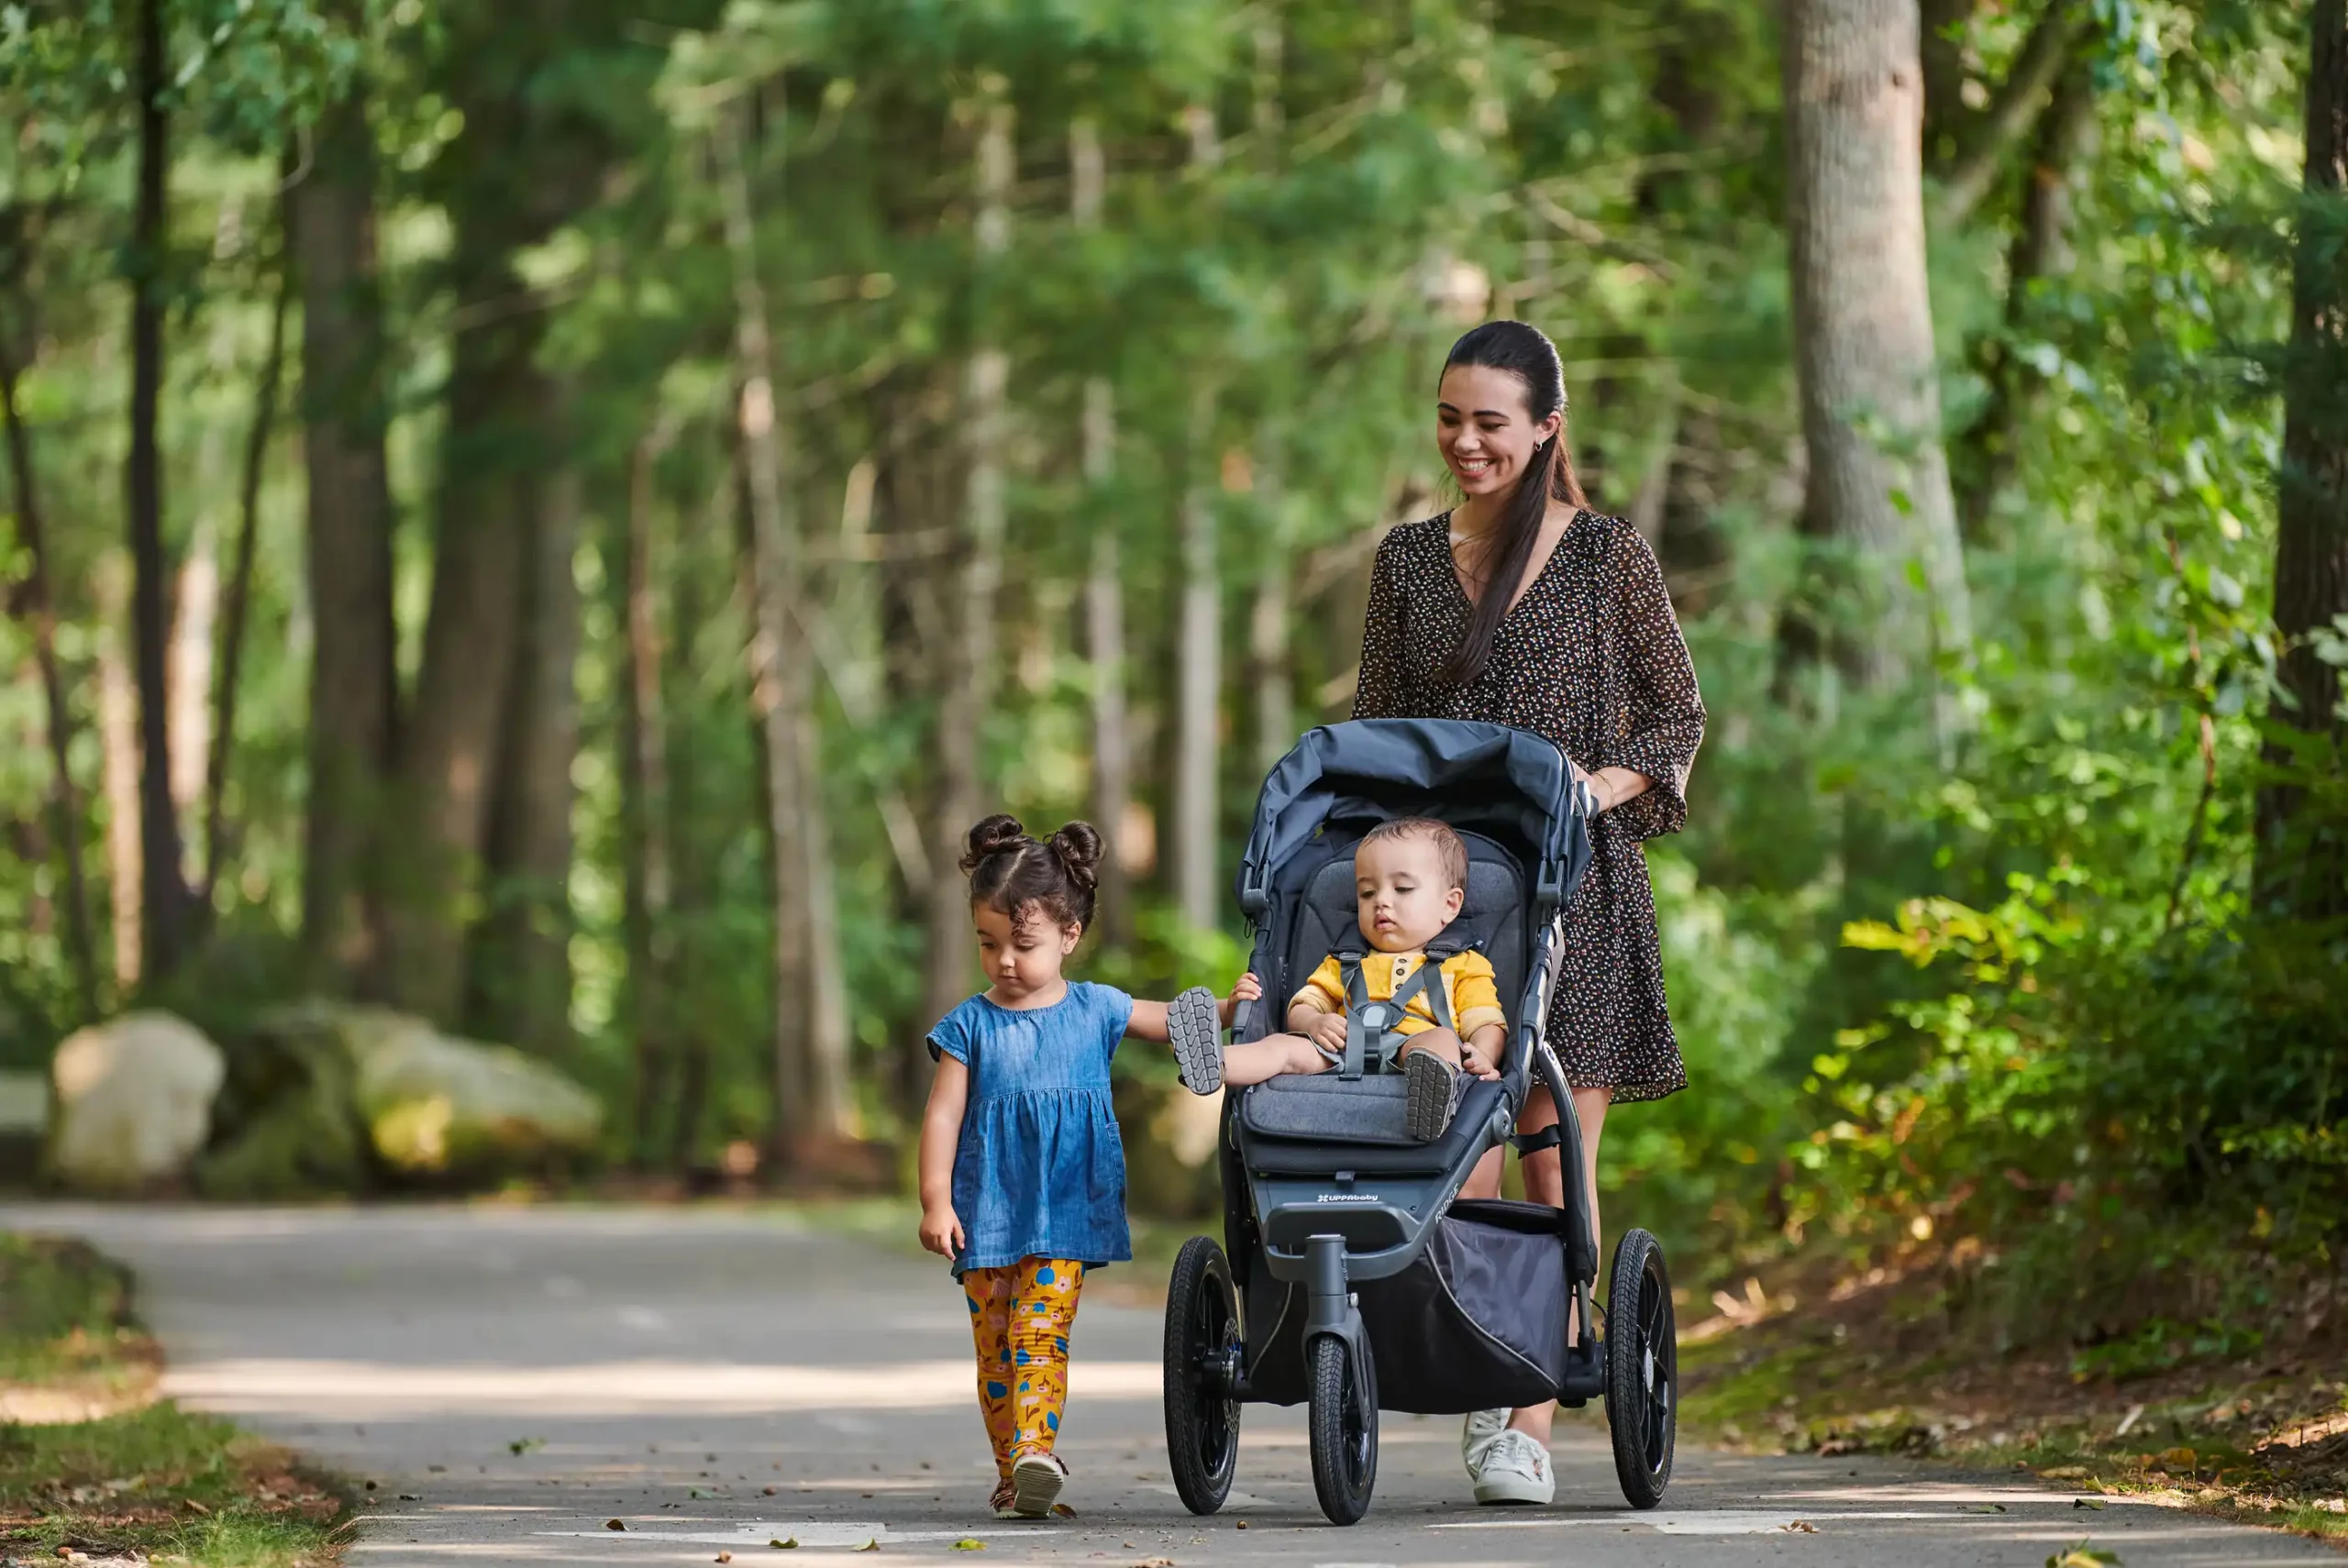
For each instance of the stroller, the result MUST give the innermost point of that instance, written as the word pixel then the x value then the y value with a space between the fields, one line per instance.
pixel 1352 1275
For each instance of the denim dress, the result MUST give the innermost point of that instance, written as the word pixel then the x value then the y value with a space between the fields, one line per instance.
pixel 1040 1170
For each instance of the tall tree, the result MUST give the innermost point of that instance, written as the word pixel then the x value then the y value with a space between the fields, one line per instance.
pixel 2311 535
pixel 1198 656
pixel 165 907
pixel 32 598
pixel 1104 586
pixel 810 994
pixel 330 236
pixel 1877 484
pixel 970 681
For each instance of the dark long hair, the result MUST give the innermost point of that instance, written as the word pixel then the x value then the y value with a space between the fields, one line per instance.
pixel 1526 353
pixel 1012 873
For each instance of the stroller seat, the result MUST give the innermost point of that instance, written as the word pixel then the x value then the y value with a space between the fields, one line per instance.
pixel 1321 1123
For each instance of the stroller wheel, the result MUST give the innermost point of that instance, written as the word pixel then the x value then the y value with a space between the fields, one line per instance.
pixel 1641 1368
pixel 1345 1429
pixel 1203 1357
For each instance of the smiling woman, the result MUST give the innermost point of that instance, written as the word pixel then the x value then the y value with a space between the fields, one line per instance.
pixel 1521 606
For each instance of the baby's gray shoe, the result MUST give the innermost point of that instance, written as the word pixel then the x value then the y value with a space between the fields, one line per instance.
pixel 1195 1025
pixel 1431 1094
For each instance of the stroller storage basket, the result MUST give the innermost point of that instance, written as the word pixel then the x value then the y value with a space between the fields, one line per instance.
pixel 1476 1321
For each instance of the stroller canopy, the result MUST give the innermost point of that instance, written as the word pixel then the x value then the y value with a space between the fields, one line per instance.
pixel 1509 784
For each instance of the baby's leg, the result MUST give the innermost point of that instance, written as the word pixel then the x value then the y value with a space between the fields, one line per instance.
pixel 1269 1058
pixel 1441 1042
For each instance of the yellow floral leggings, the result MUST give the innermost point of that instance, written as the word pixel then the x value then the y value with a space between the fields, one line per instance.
pixel 1020 1319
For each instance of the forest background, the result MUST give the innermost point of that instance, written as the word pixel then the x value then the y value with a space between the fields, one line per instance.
pixel 557 517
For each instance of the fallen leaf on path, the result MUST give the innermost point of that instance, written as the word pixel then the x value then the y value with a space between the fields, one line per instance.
pixel 615 1524
pixel 789 1545
pixel 2066 1473
pixel 2178 1458
pixel 872 1545
pixel 524 1446
pixel 2084 1556
pixel 1063 1510
pixel 1986 1508
pixel 1155 1562
pixel 2086 1502
pixel 970 1543
pixel 766 1492
pixel 725 1557
pixel 1802 1527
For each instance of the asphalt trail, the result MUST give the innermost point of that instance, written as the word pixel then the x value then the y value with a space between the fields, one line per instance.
pixel 512 1378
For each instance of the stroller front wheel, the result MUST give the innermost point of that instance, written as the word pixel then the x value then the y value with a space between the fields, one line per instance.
pixel 1202 1345
pixel 1641 1368
pixel 1343 1428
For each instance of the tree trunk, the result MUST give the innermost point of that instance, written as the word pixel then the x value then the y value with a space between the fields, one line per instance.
pixel 689 837
pixel 450 746
pixel 1272 616
pixel 118 748
pixel 971 681
pixel 2303 862
pixel 644 798
pixel 164 909
pixel 1104 586
pixel 237 603
pixel 1877 479
pixel 520 949
pixel 1198 656
pixel 2040 250
pixel 811 1001
pixel 330 236
pixel 33 601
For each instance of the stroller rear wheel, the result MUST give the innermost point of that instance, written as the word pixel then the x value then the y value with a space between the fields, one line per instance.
pixel 1345 1429
pixel 1203 1360
pixel 1641 1368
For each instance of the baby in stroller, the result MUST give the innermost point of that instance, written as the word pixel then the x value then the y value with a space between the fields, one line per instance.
pixel 1402 1001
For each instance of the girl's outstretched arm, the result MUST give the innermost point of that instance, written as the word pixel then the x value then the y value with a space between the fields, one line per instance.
pixel 1148 1020
pixel 941 1136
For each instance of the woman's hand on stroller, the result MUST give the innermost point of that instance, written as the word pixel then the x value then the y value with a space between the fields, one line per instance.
pixel 1247 989
pixel 941 1230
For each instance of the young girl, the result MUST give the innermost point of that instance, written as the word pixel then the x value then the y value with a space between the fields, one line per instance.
pixel 1022 1177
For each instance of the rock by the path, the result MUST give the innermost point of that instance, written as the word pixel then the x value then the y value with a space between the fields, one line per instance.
pixel 134 1101
pixel 434 1105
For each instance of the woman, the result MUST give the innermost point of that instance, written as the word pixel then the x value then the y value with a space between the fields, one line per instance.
pixel 1521 606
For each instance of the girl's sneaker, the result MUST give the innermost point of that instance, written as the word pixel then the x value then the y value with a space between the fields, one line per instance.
pixel 1431 1093
pixel 1195 1025
pixel 1002 1502
pixel 1035 1483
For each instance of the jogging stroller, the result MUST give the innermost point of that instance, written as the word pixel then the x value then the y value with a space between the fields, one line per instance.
pixel 1352 1275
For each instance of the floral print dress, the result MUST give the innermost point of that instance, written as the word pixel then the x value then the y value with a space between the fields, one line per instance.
pixel 1591 657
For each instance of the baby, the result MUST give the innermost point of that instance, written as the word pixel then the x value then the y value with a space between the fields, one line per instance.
pixel 1436 1021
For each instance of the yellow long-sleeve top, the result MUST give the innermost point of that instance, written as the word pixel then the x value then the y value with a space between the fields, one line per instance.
pixel 1467 979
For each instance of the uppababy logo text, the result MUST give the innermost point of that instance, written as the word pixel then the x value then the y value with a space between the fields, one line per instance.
pixel 1345 1198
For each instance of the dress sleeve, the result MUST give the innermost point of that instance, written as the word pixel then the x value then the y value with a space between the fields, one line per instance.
pixel 1664 721
pixel 951 1038
pixel 1325 989
pixel 1378 693
pixel 1114 1010
pixel 1475 994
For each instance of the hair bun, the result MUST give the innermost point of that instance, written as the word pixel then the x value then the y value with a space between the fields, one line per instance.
pixel 994 836
pixel 1078 846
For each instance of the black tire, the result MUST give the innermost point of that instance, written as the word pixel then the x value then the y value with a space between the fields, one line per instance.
pixel 1202 1422
pixel 1345 1429
pixel 1642 1369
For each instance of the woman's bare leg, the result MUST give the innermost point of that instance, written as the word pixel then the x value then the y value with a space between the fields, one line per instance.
pixel 1269 1058
pixel 1544 1183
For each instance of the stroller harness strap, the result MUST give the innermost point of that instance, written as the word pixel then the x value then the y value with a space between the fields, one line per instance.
pixel 1375 1025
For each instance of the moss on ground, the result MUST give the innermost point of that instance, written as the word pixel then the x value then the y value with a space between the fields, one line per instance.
pixel 150 1480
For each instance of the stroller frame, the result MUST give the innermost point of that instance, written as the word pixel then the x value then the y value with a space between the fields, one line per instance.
pixel 1324 1214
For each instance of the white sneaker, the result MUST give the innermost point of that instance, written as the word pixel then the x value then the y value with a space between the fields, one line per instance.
pixel 1475 1438
pixel 1515 1470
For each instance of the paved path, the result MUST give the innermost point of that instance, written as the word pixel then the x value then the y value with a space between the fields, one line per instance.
pixel 512 1378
